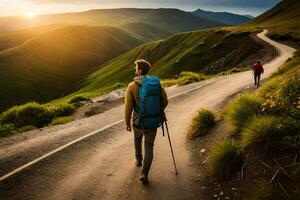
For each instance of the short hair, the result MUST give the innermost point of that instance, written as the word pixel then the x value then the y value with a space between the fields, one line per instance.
pixel 143 65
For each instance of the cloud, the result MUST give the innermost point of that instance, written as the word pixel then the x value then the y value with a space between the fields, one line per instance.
pixel 221 3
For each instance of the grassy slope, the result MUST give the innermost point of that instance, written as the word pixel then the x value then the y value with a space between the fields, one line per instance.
pixel 283 21
pixel 147 32
pixel 199 51
pixel 45 66
pixel 12 39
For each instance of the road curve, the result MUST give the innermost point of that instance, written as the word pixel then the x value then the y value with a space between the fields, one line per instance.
pixel 102 165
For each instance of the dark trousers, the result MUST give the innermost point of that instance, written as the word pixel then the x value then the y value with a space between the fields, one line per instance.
pixel 150 135
pixel 256 78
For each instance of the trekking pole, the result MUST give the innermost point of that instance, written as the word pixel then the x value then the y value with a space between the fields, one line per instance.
pixel 171 148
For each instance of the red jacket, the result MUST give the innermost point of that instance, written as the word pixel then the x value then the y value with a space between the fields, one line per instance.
pixel 258 68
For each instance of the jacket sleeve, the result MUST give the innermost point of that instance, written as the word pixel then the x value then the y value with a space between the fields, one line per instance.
pixel 164 98
pixel 128 105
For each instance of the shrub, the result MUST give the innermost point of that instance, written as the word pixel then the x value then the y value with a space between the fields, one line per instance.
pixel 225 159
pixel 169 82
pixel 289 90
pixel 189 77
pixel 285 100
pixel 28 114
pixel 77 99
pixel 26 128
pixel 61 120
pixel 242 109
pixel 260 130
pixel 63 110
pixel 6 129
pixel 204 120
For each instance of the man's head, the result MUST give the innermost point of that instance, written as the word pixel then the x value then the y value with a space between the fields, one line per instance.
pixel 142 67
pixel 258 62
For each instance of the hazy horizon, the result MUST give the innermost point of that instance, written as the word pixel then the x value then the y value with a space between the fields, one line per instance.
pixel 41 7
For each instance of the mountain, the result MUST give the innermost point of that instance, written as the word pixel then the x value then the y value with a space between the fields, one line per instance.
pixel 249 16
pixel 43 67
pixel 168 20
pixel 223 17
pixel 283 21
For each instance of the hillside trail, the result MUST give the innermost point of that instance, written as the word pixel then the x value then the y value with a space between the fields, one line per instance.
pixel 103 166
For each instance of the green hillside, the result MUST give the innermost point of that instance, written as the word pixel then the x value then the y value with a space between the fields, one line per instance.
pixel 208 51
pixel 283 21
pixel 147 32
pixel 47 65
pixel 12 39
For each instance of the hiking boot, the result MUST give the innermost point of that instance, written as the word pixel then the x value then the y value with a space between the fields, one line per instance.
pixel 144 178
pixel 138 163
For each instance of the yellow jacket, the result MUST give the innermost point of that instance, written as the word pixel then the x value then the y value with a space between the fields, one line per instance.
pixel 132 99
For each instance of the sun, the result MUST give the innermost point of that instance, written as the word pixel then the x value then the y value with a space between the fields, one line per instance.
pixel 31 14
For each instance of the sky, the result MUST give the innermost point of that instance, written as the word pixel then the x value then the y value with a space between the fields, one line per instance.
pixel 36 7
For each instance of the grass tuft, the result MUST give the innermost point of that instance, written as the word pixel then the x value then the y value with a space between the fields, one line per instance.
pixel 259 130
pixel 225 159
pixel 6 129
pixel 242 109
pixel 26 128
pixel 76 100
pixel 189 77
pixel 63 110
pixel 201 123
pixel 61 120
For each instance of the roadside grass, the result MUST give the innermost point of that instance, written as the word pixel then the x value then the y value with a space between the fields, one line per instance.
pixel 184 78
pixel 6 129
pixel 28 114
pixel 63 110
pixel 268 87
pixel 25 128
pixel 201 123
pixel 33 115
pixel 259 131
pixel 61 120
pixel 77 100
pixel 242 109
pixel 225 159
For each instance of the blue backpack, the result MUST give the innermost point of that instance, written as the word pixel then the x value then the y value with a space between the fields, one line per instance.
pixel 150 111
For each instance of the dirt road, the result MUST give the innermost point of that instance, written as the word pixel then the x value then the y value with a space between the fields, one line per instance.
pixel 102 166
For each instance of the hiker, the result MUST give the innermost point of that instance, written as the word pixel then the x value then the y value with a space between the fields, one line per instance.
pixel 148 113
pixel 257 71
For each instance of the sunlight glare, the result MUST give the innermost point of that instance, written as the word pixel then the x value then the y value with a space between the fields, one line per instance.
pixel 30 14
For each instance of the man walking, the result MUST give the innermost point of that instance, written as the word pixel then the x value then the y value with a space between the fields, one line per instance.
pixel 257 71
pixel 147 100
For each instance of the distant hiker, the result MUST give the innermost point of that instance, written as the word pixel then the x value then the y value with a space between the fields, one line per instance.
pixel 257 71
pixel 147 100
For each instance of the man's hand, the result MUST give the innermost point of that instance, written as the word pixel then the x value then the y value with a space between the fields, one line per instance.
pixel 128 128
